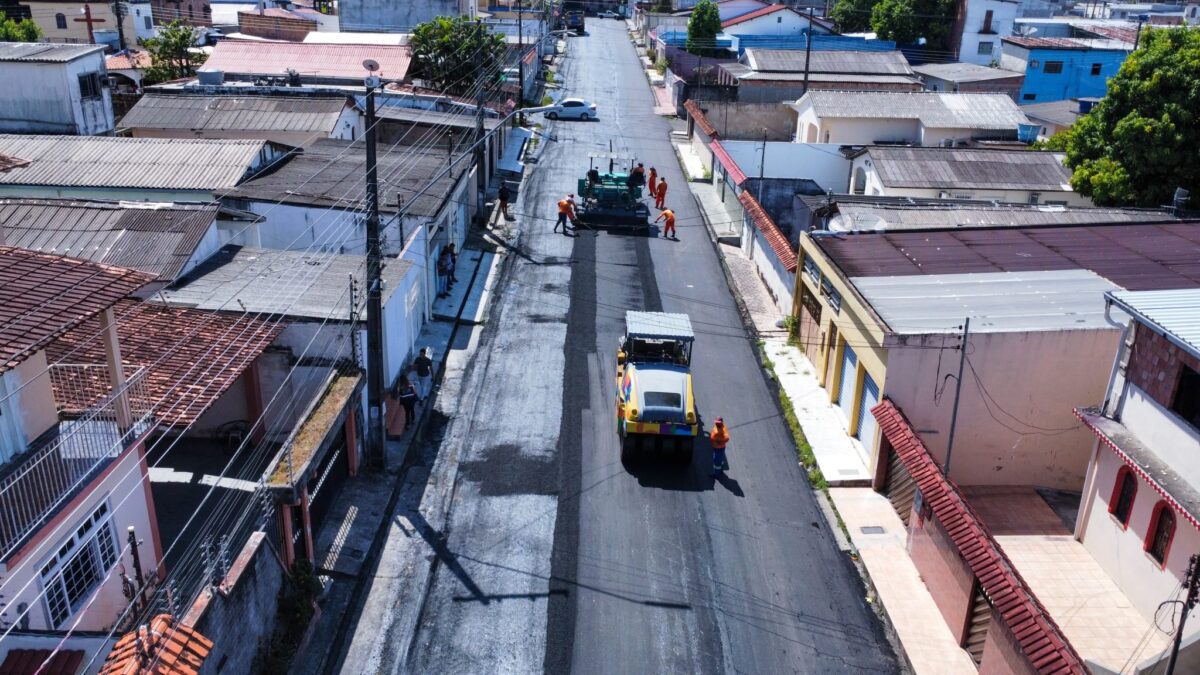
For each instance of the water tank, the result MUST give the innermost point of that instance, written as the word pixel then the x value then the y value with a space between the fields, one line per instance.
pixel 1028 133
pixel 211 76
pixel 107 36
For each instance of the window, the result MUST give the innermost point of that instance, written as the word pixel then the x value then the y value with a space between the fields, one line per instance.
pixel 1162 530
pixel 146 21
pixel 1028 97
pixel 1035 197
pixel 1033 64
pixel 1187 396
pixel 1095 69
pixel 1053 67
pixel 779 19
pixel 89 85
pixel 1056 202
pixel 207 12
pixel 831 294
pixel 985 49
pixel 810 268
pixel 79 565
pixel 60 21
pixel 1124 491
pixel 662 399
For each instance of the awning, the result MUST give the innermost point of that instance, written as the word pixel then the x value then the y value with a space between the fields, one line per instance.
pixel 731 167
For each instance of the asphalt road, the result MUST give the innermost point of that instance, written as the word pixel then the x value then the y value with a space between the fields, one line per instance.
pixel 557 557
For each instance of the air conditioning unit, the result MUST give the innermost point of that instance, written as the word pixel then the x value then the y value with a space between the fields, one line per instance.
pixel 947 143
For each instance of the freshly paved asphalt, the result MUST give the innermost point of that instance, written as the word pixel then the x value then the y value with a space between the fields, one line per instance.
pixel 557 557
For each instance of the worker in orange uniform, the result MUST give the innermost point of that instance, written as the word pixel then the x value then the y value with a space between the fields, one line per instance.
pixel 669 226
pixel 660 195
pixel 719 438
pixel 653 182
pixel 566 211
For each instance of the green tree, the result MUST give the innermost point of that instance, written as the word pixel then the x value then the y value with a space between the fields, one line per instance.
pixel 24 30
pixel 703 27
pixel 456 54
pixel 852 16
pixel 904 21
pixel 171 55
pixel 663 6
pixel 1140 142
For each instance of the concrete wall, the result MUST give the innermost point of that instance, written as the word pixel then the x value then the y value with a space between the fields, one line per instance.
pixel 842 131
pixel 240 618
pixel 121 485
pixel 943 569
pixel 275 27
pixel 45 98
pixel 397 15
pixel 739 120
pixel 778 280
pixel 1155 365
pixel 27 407
pixel 1029 376
pixel 777 23
pixel 821 163
pixel 1170 436
pixel 1003 14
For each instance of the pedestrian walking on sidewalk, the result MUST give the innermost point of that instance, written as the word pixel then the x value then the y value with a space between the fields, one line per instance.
pixel 660 195
pixel 669 226
pixel 505 195
pixel 423 367
pixel 719 438
pixel 566 212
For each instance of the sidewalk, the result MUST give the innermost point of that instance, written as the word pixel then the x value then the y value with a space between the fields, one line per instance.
pixel 355 520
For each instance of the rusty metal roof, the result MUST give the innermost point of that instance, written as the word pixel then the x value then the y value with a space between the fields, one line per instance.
pixel 308 59
pixel 1134 256
pixel 235 113
pixel 155 238
pixel 42 296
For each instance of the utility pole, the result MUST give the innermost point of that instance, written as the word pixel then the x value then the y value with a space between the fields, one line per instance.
pixel 762 167
pixel 376 454
pixel 137 558
pixel 479 167
pixel 1191 581
pixel 962 360
pixel 120 25
pixel 808 39
pixel 520 55
pixel 1137 37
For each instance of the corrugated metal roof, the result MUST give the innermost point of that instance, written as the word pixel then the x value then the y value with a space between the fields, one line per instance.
pixel 1175 313
pixel 658 325
pixel 964 72
pixel 1038 637
pixel 1072 44
pixel 403 171
pixel 152 163
pixel 1063 113
pixel 934 109
pixel 997 302
pixel 155 238
pixel 433 117
pixel 235 113
pixel 294 283
pixel 307 58
pixel 1135 257
pixel 954 168
pixel 828 61
pixel 868 214
pixel 45 52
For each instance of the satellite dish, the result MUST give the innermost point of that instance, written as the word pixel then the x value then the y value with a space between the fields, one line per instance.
pixel 371 65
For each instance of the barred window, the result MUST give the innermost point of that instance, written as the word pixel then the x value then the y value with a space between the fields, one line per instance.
pixel 79 565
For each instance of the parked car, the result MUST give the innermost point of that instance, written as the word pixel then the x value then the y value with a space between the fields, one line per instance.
pixel 571 108
pixel 609 15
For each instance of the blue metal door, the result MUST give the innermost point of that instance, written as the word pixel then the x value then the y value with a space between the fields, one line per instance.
pixel 867 427
pixel 849 373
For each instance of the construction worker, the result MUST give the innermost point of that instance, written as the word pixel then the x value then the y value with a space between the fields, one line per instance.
pixel 660 195
pixel 653 180
pixel 669 226
pixel 566 211
pixel 719 438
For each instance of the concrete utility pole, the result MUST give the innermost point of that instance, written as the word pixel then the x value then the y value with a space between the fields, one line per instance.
pixel 376 454
pixel 520 55
pixel 962 360
pixel 762 168
pixel 479 167
pixel 120 25
pixel 808 39
pixel 1191 580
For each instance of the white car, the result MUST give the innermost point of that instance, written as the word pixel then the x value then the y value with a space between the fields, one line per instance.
pixel 608 15
pixel 571 108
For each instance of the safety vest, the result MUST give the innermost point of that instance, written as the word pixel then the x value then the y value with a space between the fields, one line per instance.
pixel 564 206
pixel 719 437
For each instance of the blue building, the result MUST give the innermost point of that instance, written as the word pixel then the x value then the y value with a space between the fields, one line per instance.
pixel 1058 69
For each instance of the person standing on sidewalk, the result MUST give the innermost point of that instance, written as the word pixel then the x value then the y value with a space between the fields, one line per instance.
pixel 660 195
pixel 443 273
pixel 505 195
pixel 669 226
pixel 719 438
pixel 453 262
pixel 423 367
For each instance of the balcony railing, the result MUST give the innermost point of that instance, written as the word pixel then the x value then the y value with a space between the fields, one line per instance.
pixel 95 427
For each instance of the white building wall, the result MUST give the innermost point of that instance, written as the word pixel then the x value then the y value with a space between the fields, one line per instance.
pixel 27 407
pixel 1014 58
pixel 843 131
pixel 1174 440
pixel 780 282
pixel 823 163
pixel 1121 551
pixel 1003 14
pixel 45 98
pixel 777 23
pixel 140 12
pixel 127 494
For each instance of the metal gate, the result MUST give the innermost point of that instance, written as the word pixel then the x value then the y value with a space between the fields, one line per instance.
pixel 981 619
pixel 849 379
pixel 900 486
pixel 866 421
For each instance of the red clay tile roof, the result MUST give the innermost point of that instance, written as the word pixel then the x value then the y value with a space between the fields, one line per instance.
pixel 769 9
pixel 41 296
pixel 128 60
pixel 29 662
pixel 779 243
pixel 1039 638
pixel 701 119
pixel 192 356
pixel 8 162
pixel 308 58
pixel 731 167
pixel 163 648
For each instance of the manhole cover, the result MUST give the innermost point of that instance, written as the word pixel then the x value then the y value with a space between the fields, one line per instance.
pixel 872 529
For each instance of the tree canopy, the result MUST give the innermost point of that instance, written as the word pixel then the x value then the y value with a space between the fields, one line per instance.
pixel 24 30
pixel 1141 141
pixel 171 55
pixel 852 16
pixel 905 21
pixel 703 27
pixel 455 54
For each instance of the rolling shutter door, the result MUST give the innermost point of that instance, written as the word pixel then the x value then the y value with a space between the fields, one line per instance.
pixel 901 488
pixel 867 428
pixel 846 391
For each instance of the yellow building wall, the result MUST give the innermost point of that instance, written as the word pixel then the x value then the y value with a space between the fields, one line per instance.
pixel 76 32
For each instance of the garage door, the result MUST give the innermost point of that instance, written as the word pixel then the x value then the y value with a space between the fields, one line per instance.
pixel 846 391
pixel 901 488
pixel 867 428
